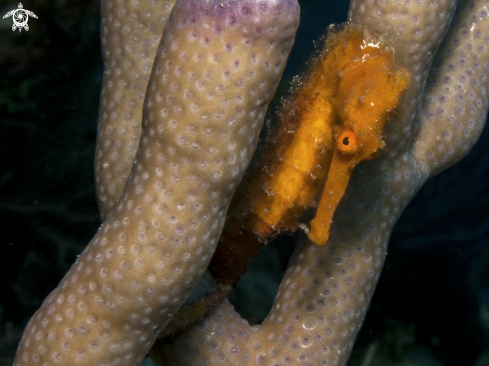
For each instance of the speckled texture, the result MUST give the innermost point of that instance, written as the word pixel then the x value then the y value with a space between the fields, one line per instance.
pixel 456 101
pixel 130 34
pixel 325 292
pixel 215 72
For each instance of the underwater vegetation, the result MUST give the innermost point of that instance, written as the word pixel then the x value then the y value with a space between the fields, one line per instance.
pixel 443 242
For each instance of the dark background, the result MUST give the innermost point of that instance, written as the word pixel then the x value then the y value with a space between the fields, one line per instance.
pixel 431 306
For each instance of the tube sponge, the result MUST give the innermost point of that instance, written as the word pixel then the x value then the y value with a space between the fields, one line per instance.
pixel 215 71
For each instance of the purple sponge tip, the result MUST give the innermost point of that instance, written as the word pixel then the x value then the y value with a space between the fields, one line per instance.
pixel 232 13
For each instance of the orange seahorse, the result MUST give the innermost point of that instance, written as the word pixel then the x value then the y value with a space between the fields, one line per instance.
pixel 343 106
pixel 332 121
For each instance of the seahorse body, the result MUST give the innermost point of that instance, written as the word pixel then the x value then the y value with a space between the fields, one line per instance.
pixel 332 121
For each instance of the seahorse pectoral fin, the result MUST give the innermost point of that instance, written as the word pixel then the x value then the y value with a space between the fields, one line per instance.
pixel 338 177
pixel 280 194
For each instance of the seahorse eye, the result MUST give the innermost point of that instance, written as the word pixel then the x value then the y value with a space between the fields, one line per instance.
pixel 347 141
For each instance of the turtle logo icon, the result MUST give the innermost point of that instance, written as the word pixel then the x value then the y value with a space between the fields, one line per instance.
pixel 20 17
